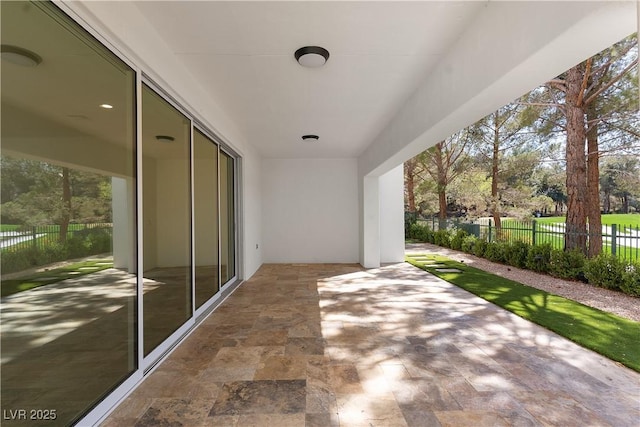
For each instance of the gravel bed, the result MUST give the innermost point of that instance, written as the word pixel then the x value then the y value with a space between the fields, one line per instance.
pixel 604 299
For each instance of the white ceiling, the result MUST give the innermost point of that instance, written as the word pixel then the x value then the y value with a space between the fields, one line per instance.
pixel 242 54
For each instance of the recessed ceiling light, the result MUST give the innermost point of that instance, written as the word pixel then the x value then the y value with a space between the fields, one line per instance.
pixel 19 56
pixel 305 137
pixel 312 56
pixel 106 106
pixel 165 138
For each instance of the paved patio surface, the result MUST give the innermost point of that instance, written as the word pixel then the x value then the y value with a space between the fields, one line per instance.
pixel 336 345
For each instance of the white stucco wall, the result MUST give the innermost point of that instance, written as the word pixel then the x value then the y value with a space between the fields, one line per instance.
pixel 310 210
pixel 391 195
pixel 251 206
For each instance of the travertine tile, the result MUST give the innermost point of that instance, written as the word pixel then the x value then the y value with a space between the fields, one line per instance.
pixel 335 345
pixel 471 418
pixel 261 397
pixel 282 368
pixel 176 412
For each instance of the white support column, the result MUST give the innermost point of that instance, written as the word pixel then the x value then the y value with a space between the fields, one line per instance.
pixel 123 227
pixel 392 215
pixel 370 222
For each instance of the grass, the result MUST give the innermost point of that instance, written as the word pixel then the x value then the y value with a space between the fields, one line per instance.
pixel 519 230
pixel 608 334
pixel 9 227
pixel 10 287
pixel 52 228
pixel 632 220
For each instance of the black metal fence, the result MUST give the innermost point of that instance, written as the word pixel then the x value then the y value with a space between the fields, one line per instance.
pixel 43 236
pixel 620 240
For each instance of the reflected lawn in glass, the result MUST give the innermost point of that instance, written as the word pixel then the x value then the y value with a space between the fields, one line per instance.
pixel 24 282
pixel 53 337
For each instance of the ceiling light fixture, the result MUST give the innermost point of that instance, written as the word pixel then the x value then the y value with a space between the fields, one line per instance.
pixel 106 106
pixel 312 56
pixel 165 138
pixel 19 56
pixel 305 137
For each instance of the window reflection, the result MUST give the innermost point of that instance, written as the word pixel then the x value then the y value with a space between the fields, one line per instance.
pixel 68 220
pixel 205 159
pixel 166 219
pixel 227 217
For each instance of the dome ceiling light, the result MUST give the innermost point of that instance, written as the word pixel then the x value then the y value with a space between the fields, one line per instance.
pixel 305 137
pixel 312 56
pixel 19 56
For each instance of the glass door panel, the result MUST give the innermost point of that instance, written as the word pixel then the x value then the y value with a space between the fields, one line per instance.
pixel 69 300
pixel 205 173
pixel 166 219
pixel 227 217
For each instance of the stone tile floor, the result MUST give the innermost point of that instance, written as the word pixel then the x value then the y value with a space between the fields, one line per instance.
pixel 336 345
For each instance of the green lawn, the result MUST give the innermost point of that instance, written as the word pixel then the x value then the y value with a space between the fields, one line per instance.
pixel 607 219
pixel 546 233
pixel 9 227
pixel 48 228
pixel 48 277
pixel 608 334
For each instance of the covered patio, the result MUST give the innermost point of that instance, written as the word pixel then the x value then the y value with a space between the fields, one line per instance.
pixel 340 345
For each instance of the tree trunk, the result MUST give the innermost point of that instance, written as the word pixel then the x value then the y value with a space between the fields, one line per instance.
pixel 575 231
pixel 593 185
pixel 66 205
pixel 495 162
pixel 410 183
pixel 441 182
pixel 442 202
pixel 607 202
pixel 625 204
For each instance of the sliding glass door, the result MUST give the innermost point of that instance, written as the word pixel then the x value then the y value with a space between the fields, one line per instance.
pixel 117 225
pixel 166 214
pixel 205 188
pixel 227 217
pixel 69 300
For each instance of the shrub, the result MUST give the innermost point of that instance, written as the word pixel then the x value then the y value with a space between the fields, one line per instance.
pixel 441 238
pixel 468 243
pixel 480 248
pixel 15 261
pixel 631 279
pixel 516 254
pixel 430 236
pixel 99 241
pixel 539 258
pixel 495 252
pixel 415 231
pixel 410 219
pixel 567 264
pixel 456 239
pixel 421 233
pixel 606 271
pixel 80 244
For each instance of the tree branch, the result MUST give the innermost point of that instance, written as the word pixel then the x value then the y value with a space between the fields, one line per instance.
pixel 611 83
pixel 585 81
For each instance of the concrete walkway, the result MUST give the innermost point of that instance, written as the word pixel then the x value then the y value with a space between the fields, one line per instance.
pixel 336 345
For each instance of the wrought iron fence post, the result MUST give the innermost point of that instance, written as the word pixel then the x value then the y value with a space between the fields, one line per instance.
pixel 33 237
pixel 533 232
pixel 614 237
